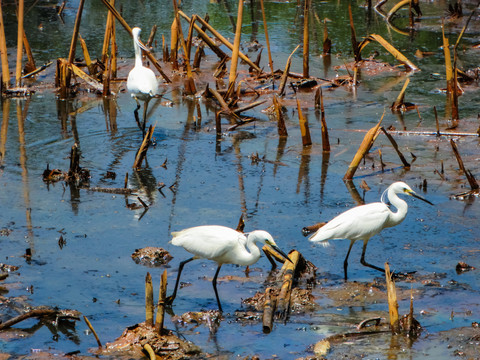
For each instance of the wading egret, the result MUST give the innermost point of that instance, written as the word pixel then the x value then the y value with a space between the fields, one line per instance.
pixel 222 245
pixel 363 222
pixel 141 82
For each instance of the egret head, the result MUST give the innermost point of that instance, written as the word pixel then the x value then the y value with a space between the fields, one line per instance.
pixel 136 32
pixel 267 239
pixel 136 38
pixel 401 188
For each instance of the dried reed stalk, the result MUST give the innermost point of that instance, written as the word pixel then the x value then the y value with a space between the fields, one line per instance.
pixel 174 42
pixel 327 43
pixel 151 353
pixel 218 124
pixel 273 254
pixel 108 33
pixel 356 50
pixel 106 78
pixel 249 106
pixel 211 44
pixel 325 138
pixel 20 30
pixel 189 83
pixel 282 129
pixel 304 129
pixel 129 29
pixel 30 65
pixel 395 146
pixel 283 299
pixel 113 50
pixel 392 301
pixel 365 146
pixel 235 50
pixel 148 300
pixel 3 53
pixel 190 36
pixel 436 120
pixel 76 29
pixel 92 330
pixel 151 37
pixel 61 77
pixel 221 38
pixel 220 99
pixel 162 295
pixel 86 56
pixel 399 101
pixel 283 81
pixel 268 310
pixel 448 62
pixel 390 48
pixel 306 41
pixel 98 86
pixel 241 224
pixel 471 179
pixel 267 40
pixel 397 7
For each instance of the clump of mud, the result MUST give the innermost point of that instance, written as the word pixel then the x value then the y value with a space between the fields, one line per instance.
pixel 134 339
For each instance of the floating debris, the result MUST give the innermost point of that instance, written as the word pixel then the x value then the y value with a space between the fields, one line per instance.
pixel 151 256
pixel 463 267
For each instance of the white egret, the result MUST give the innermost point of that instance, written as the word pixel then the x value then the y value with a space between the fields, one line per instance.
pixel 363 222
pixel 222 245
pixel 141 82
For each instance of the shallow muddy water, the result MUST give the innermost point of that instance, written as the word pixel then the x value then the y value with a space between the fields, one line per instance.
pixel 212 180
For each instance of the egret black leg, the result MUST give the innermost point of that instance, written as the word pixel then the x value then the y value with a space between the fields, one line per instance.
pixel 364 263
pixel 170 299
pixel 345 262
pixel 145 107
pixel 214 283
pixel 135 113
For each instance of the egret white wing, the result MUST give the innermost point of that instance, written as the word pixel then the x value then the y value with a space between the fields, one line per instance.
pixel 209 241
pixel 358 223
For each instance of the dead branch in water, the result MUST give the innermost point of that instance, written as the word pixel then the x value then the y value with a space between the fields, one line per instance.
pixel 39 313
pixel 283 299
pixel 471 179
pixel 142 151
pixel 268 310
pixel 93 331
pixel 395 146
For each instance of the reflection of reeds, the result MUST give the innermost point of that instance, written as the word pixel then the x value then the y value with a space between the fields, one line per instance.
pixel 365 146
